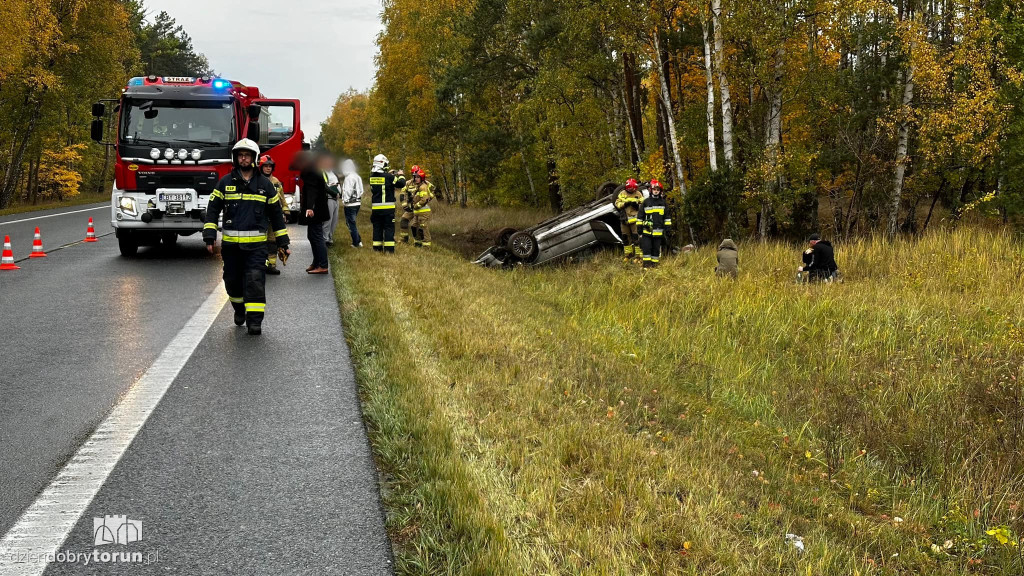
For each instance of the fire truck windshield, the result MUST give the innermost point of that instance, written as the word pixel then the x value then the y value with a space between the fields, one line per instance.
pixel 156 122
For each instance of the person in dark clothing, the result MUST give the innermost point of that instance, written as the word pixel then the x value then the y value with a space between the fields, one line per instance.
pixel 313 210
pixel 251 211
pixel 822 262
pixel 383 183
pixel 654 223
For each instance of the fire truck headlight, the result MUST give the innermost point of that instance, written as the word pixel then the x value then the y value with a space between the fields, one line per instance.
pixel 154 153
pixel 182 154
pixel 127 205
pixel 169 153
pixel 196 154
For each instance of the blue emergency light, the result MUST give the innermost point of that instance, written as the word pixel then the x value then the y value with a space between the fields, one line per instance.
pixel 137 81
pixel 221 84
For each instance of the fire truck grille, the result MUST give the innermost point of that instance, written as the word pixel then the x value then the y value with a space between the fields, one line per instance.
pixel 202 182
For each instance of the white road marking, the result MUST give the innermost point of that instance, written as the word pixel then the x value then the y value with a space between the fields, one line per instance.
pixel 106 207
pixel 44 526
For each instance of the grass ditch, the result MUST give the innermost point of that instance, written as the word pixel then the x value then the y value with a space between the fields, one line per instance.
pixel 590 419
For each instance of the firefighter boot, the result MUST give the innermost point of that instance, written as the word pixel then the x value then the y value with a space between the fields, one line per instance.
pixel 239 312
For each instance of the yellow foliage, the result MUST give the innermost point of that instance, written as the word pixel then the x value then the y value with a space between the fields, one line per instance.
pixel 57 175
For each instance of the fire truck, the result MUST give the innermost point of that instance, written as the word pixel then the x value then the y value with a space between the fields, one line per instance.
pixel 173 143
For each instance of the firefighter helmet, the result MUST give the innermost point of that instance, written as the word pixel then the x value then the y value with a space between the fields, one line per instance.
pixel 380 163
pixel 415 169
pixel 655 184
pixel 631 184
pixel 266 160
pixel 247 145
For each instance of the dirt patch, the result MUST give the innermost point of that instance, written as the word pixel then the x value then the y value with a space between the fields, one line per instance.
pixel 469 244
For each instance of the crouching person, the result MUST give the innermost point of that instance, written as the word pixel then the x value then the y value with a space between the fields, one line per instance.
pixel 819 262
pixel 728 259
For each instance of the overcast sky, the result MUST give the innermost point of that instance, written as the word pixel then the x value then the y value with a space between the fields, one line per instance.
pixel 312 50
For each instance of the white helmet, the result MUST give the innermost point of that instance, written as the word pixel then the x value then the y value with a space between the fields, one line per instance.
pixel 380 163
pixel 245 144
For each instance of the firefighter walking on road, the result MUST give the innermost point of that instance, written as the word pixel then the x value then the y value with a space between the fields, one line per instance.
pixel 267 166
pixel 654 222
pixel 424 193
pixel 629 202
pixel 252 209
pixel 382 209
pixel 408 211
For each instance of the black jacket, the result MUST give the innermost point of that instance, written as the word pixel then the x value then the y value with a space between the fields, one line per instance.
pixel 823 260
pixel 382 189
pixel 652 218
pixel 250 210
pixel 314 197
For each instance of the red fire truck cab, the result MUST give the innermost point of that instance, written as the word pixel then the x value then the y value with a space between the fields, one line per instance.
pixel 173 143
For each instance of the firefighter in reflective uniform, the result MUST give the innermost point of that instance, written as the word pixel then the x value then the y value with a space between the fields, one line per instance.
pixel 267 166
pixel 628 203
pixel 653 223
pixel 382 197
pixel 408 212
pixel 252 209
pixel 424 193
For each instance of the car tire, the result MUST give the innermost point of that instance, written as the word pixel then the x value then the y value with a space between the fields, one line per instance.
pixel 503 236
pixel 606 189
pixel 127 245
pixel 523 246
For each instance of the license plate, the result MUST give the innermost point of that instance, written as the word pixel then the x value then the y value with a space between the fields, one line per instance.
pixel 166 197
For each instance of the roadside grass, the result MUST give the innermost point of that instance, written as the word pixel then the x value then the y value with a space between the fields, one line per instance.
pixel 593 419
pixel 90 198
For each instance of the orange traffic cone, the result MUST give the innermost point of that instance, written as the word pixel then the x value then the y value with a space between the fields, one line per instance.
pixel 90 233
pixel 37 246
pixel 7 261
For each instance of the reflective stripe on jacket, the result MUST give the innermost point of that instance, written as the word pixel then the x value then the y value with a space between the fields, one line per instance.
pixel 652 216
pixel 250 210
pixel 382 189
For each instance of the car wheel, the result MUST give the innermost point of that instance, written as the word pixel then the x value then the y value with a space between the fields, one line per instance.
pixel 128 246
pixel 503 236
pixel 606 189
pixel 523 246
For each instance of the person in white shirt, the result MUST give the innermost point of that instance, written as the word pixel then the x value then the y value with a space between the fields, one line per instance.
pixel 351 198
pixel 333 192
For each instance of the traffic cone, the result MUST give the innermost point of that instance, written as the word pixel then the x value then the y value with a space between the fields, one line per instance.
pixel 90 233
pixel 37 246
pixel 7 261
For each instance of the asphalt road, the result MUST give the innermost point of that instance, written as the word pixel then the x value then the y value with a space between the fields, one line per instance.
pixel 253 461
pixel 58 227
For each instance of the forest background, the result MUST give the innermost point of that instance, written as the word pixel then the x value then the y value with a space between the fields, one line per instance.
pixel 767 118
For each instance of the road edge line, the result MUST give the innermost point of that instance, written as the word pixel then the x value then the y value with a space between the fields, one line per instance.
pixel 107 206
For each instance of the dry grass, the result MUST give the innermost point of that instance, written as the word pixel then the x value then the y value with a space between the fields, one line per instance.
pixel 84 198
pixel 589 419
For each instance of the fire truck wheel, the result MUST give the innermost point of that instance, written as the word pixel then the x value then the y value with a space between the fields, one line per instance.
pixel 129 246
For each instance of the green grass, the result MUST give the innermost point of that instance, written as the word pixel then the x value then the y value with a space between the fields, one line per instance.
pixel 90 198
pixel 592 419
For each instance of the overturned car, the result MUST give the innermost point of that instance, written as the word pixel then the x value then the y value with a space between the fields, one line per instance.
pixel 593 225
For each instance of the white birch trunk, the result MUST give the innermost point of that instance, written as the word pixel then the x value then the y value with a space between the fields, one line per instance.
pixel 901 149
pixel 723 84
pixel 666 98
pixel 773 142
pixel 712 152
